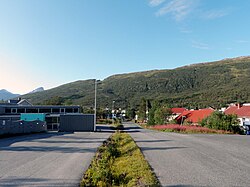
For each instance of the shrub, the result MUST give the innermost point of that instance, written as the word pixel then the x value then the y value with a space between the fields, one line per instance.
pixel 221 121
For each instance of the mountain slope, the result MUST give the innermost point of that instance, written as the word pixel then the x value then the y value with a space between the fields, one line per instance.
pixel 199 85
pixel 40 89
pixel 5 95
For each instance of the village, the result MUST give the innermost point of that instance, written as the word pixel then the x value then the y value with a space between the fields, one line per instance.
pixel 198 117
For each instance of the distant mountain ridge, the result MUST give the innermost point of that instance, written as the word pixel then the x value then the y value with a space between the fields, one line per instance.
pixel 198 85
pixel 5 95
pixel 40 89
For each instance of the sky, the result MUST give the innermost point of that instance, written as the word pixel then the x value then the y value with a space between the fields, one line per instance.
pixel 52 42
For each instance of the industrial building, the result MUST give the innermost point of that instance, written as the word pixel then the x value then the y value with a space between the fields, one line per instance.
pixel 57 118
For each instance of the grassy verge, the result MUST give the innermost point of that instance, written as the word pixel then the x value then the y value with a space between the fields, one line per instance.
pixel 119 162
pixel 186 129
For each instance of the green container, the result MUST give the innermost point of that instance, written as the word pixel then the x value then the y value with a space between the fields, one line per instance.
pixel 32 117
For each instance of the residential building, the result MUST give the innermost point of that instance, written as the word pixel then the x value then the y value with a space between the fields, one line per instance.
pixel 175 113
pixel 242 112
pixel 194 116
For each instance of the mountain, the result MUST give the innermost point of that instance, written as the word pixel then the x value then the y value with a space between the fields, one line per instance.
pixel 5 95
pixel 199 85
pixel 40 89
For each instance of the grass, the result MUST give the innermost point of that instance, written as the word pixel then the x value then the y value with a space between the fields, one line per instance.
pixel 187 129
pixel 119 162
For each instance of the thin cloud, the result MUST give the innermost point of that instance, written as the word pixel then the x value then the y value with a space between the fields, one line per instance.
pixel 179 9
pixel 155 3
pixel 242 41
pixel 214 14
pixel 185 30
pixel 200 45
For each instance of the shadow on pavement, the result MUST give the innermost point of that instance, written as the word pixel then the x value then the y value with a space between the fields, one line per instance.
pixel 103 128
pixel 48 149
pixel 149 141
pixel 182 185
pixel 31 137
pixel 38 182
pixel 161 148
pixel 129 128
pixel 92 140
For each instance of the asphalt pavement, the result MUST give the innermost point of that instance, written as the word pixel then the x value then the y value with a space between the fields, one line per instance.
pixel 195 159
pixel 48 159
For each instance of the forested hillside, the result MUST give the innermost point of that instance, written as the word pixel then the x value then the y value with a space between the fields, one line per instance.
pixel 200 85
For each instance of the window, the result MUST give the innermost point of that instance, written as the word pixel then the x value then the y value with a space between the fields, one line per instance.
pixel 31 110
pixel 62 110
pixel 45 110
pixel 7 110
pixel 20 110
pixel 76 110
pixel 55 110
pixel 13 111
pixel 69 110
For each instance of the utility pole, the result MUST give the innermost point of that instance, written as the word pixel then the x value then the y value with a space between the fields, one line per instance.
pixel 95 105
pixel 113 112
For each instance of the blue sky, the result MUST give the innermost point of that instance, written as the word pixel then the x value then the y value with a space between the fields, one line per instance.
pixel 51 42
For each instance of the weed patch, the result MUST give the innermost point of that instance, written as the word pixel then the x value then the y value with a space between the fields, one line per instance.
pixel 188 129
pixel 119 162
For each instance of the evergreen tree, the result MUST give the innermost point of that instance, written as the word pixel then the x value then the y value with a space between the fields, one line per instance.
pixel 151 114
pixel 159 116
pixel 142 109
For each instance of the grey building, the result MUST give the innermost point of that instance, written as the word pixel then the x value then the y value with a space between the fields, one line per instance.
pixel 58 118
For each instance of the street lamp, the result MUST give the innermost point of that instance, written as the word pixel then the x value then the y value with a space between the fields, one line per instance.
pixel 113 112
pixel 96 81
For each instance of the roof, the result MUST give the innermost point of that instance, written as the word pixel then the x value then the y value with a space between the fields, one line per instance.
pixel 13 101
pixel 24 102
pixel 231 109
pixel 38 106
pixel 194 116
pixel 243 111
pixel 177 110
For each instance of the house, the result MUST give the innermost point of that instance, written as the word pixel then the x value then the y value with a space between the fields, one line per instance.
pixel 242 111
pixel 24 102
pixel 19 101
pixel 175 113
pixel 194 116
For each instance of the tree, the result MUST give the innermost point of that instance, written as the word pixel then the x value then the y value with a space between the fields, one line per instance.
pixel 56 100
pixel 130 113
pixel 151 114
pixel 142 109
pixel 159 116
pixel 221 121
pixel 166 113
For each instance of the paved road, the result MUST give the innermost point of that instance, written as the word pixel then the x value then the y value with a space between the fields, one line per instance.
pixel 52 159
pixel 195 160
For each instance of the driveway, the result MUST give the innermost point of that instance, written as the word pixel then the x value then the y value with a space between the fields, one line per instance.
pixel 195 160
pixel 49 159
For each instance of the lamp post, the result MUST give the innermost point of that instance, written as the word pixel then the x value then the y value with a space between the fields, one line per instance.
pixel 113 112
pixel 95 105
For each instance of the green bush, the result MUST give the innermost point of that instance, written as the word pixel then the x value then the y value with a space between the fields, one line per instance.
pixel 221 121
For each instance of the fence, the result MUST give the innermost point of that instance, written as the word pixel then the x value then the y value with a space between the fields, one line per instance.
pixel 76 122
pixel 21 127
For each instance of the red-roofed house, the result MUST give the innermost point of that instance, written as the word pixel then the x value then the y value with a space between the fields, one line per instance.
pixel 243 113
pixel 176 112
pixel 194 116
pixel 231 109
